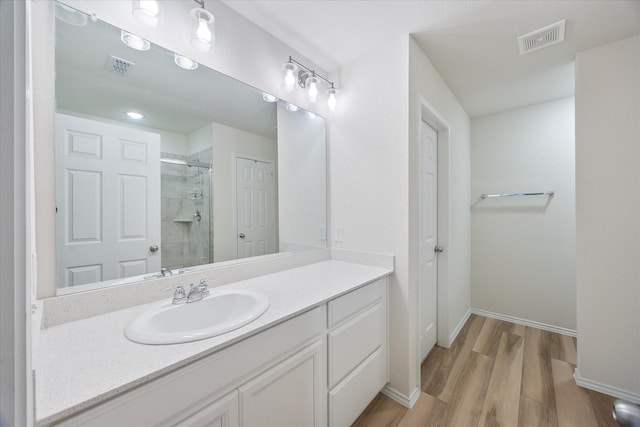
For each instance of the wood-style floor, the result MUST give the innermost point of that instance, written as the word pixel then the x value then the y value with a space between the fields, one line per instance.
pixel 498 374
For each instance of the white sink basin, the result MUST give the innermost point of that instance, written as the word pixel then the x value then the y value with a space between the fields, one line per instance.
pixel 216 314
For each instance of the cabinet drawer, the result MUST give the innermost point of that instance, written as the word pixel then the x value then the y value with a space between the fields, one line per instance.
pixel 353 341
pixel 353 394
pixel 347 305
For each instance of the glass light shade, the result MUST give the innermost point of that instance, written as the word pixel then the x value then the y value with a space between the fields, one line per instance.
pixel 312 88
pixel 291 107
pixel 147 12
pixel 202 29
pixel 289 76
pixel 332 100
pixel 134 42
pixel 184 62
pixel 311 115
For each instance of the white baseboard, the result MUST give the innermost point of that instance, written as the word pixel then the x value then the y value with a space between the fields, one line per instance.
pixel 405 401
pixel 525 322
pixel 606 389
pixel 457 330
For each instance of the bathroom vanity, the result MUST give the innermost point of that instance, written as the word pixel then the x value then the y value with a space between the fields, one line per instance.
pixel 316 357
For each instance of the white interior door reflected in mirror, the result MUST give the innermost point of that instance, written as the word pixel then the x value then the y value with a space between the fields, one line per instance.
pixel 256 208
pixel 108 201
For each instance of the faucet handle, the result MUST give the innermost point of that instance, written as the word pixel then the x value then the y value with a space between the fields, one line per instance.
pixel 180 295
pixel 204 286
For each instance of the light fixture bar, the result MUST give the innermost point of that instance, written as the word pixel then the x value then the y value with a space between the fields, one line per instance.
pixel 309 70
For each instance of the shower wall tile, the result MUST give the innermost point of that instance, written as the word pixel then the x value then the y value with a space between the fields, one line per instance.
pixel 170 208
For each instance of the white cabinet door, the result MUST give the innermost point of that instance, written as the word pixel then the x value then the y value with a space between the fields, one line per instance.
pixel 291 393
pixel 221 413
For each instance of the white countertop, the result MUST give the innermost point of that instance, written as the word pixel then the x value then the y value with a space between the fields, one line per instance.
pixel 84 362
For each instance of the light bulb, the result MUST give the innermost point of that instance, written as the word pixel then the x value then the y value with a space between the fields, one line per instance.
pixel 332 100
pixel 150 7
pixel 290 71
pixel 147 12
pixel 312 83
pixel 203 32
pixel 202 35
pixel 134 115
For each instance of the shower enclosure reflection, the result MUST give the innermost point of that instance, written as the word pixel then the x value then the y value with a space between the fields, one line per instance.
pixel 186 224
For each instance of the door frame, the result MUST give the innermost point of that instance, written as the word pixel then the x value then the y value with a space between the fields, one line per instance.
pixel 234 192
pixel 428 114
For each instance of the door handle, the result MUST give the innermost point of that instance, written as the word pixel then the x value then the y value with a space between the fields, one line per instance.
pixel 153 248
pixel 241 235
pixel 438 249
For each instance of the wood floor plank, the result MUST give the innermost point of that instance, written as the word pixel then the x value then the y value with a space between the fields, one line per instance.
pixel 381 412
pixel 573 405
pixel 568 351
pixel 427 412
pixel 537 376
pixel 602 405
pixel 503 395
pixel 467 398
pixel 548 395
pixel 489 337
pixel 535 414
pixel 440 384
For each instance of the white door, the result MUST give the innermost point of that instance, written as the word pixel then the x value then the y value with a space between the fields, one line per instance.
pixel 428 235
pixel 256 208
pixel 107 201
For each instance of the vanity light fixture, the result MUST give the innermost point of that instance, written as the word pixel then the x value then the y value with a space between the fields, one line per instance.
pixel 291 107
pixel 311 115
pixel 184 62
pixel 134 42
pixel 202 28
pixel 146 11
pixel 268 97
pixel 296 73
pixel 134 115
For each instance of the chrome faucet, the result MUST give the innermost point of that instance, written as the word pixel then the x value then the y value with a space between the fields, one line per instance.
pixel 164 272
pixel 179 296
pixel 196 293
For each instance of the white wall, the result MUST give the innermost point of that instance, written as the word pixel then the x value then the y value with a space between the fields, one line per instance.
pixel 302 180
pixel 608 216
pixel 523 249
pixel 369 183
pixel 373 140
pixel 428 89
pixel 228 142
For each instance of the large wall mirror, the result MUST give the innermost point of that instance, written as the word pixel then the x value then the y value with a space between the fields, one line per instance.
pixel 212 171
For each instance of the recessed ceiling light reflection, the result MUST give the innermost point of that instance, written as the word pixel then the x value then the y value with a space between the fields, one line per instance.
pixel 134 42
pixel 134 115
pixel 268 97
pixel 184 62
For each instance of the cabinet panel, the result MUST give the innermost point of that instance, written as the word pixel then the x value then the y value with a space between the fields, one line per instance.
pixel 347 305
pixel 352 342
pixel 188 389
pixel 349 398
pixel 221 413
pixel 290 394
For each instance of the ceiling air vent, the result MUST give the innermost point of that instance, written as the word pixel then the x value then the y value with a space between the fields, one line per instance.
pixel 543 37
pixel 119 66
